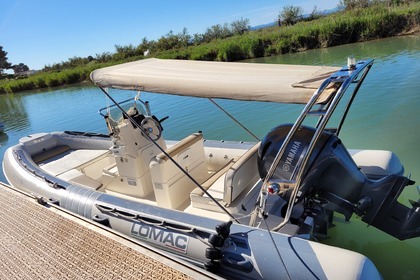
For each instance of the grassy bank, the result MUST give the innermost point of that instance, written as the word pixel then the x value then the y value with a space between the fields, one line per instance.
pixel 336 29
pixel 53 78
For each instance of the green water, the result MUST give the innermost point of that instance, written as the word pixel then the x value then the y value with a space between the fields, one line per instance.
pixel 385 115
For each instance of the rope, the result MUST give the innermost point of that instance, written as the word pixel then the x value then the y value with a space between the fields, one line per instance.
pixel 277 249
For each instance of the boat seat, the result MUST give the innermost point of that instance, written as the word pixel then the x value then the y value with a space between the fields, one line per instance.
pixel 198 198
pixel 76 177
pixel 171 186
pixel 50 153
pixel 69 159
pixel 242 174
pixel 376 164
pixel 227 184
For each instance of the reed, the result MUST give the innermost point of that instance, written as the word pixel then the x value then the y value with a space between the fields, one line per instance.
pixel 50 79
pixel 341 28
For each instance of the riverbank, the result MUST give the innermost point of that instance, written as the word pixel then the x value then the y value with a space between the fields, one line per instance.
pixel 335 29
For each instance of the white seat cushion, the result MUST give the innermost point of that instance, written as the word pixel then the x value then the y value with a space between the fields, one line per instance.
pixel 77 177
pixel 377 163
pixel 229 182
pixel 69 159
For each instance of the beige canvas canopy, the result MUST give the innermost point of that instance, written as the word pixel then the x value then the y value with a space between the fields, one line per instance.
pixel 228 80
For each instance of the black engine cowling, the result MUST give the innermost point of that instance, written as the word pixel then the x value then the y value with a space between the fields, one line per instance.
pixel 333 177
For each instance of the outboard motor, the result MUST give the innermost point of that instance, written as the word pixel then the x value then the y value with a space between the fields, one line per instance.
pixel 332 176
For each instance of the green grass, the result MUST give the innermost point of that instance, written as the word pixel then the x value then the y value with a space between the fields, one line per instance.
pixel 336 29
pixel 51 79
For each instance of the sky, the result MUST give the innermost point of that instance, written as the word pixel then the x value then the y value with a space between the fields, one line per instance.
pixel 43 32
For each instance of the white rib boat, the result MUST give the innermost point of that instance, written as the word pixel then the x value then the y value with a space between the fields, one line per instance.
pixel 241 210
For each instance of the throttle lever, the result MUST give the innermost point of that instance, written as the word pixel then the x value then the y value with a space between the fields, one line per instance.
pixel 163 119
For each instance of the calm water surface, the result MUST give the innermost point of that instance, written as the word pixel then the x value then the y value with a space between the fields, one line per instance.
pixel 385 115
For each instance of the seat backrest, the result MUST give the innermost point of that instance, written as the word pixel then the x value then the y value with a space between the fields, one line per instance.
pixel 171 186
pixel 241 175
pixel 377 164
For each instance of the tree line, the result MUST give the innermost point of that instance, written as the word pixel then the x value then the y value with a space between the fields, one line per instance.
pixel 169 41
pixel 354 4
pixel 236 41
pixel 4 64
pixel 290 15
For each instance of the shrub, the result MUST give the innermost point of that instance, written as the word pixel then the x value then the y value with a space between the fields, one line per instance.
pixel 290 15
pixel 40 82
pixel 252 46
pixel 230 51
pixel 203 52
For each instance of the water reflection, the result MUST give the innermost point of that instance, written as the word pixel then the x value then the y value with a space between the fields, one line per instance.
pixel 12 112
pixel 3 138
pixel 382 50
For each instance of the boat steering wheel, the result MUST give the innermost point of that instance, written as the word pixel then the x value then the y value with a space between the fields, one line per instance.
pixel 151 127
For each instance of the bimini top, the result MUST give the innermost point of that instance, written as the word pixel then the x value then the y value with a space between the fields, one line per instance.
pixel 229 80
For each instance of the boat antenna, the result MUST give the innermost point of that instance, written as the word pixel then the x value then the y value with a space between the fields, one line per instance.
pixel 168 156
pixel 235 120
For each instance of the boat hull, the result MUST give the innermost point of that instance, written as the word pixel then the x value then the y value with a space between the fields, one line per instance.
pixel 246 252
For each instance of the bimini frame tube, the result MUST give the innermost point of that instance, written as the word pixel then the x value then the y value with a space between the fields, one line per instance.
pixel 344 77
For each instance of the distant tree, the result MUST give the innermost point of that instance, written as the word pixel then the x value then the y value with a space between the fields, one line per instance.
pixel 240 26
pixel 20 68
pixel 146 45
pixel 315 14
pixel 388 3
pixel 217 32
pixel 168 42
pixel 198 39
pixel 184 38
pixel 3 61
pixel 103 57
pixel 290 15
pixel 353 4
pixel 75 61
pixel 123 52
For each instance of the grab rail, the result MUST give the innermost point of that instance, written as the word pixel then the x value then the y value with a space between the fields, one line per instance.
pixel 343 78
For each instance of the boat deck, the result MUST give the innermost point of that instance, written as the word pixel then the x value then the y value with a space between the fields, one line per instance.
pixel 45 242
